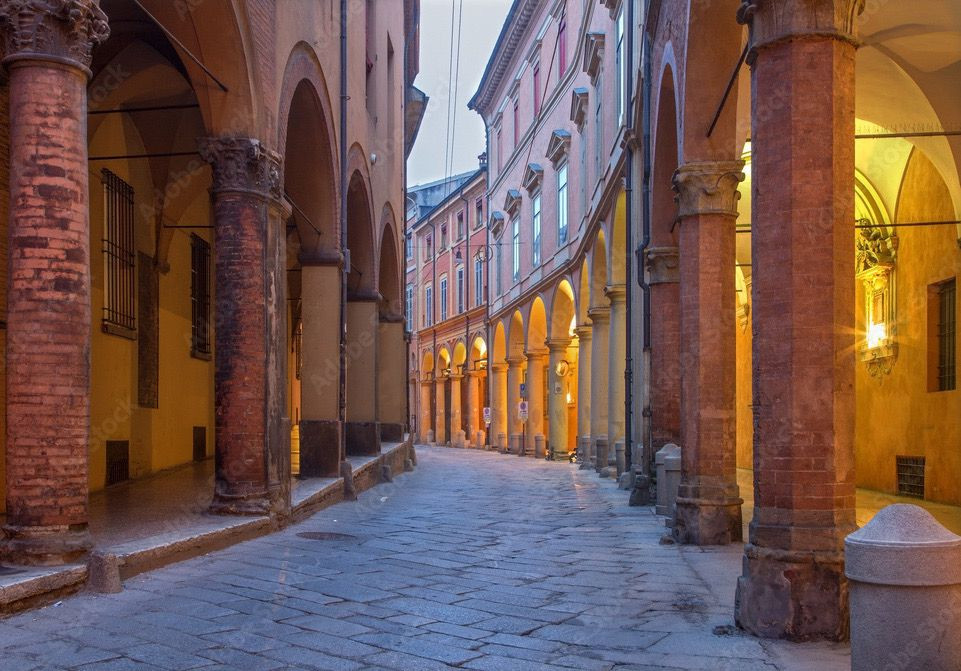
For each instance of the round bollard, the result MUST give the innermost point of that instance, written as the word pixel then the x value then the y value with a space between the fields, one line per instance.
pixel 667 481
pixel 904 572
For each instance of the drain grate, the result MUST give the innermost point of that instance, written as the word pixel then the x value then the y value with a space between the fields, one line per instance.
pixel 325 536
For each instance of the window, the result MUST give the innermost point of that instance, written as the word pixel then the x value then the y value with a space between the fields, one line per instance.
pixel 443 298
pixel 583 173
pixel 498 270
pixel 119 257
pixel 199 297
pixel 516 246
pixel 562 204
pixel 460 289
pixel 409 306
pixel 429 306
pixel 620 83
pixel 517 124
pixel 562 45
pixel 479 213
pixel 460 225
pixel 371 88
pixel 409 246
pixel 537 89
pixel 443 237
pixel 499 152
pixel 943 336
pixel 536 226
pixel 478 282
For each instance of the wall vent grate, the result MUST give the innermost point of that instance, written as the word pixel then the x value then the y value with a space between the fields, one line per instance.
pixel 910 471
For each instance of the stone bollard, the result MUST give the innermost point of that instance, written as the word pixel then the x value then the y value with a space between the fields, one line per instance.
pixel 103 573
pixel 430 436
pixel 600 453
pixel 479 440
pixel 584 452
pixel 460 440
pixel 904 572
pixel 502 443
pixel 540 446
pixel 667 464
pixel 619 457
pixel 516 444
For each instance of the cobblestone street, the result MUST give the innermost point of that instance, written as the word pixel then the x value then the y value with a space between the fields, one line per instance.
pixel 475 560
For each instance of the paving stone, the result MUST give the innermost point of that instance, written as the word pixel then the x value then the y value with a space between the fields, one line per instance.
pixel 166 657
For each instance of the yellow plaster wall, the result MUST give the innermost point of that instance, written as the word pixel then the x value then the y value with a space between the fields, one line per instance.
pixel 744 416
pixel 896 414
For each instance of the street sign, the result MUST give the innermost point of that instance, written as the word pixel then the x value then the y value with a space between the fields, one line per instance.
pixel 523 390
pixel 487 416
pixel 522 410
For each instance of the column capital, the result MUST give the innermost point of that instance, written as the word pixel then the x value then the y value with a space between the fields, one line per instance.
pixel 516 360
pixel 616 293
pixel 242 165
pixel 708 187
pixel 61 31
pixel 499 367
pixel 663 265
pixel 599 315
pixel 536 354
pixel 558 345
pixel 584 332
pixel 773 21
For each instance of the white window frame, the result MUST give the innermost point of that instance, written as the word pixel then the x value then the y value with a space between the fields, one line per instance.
pixel 563 203
pixel 516 248
pixel 429 305
pixel 443 298
pixel 536 229
pixel 620 83
pixel 409 306
pixel 460 289
pixel 478 282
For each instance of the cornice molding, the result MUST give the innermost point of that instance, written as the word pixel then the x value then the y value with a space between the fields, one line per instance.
pixel 558 146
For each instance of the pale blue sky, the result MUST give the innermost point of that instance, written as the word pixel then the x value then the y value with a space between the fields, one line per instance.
pixel 480 26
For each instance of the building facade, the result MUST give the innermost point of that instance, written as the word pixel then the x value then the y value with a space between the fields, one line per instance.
pixel 447 252
pixel 554 100
pixel 193 221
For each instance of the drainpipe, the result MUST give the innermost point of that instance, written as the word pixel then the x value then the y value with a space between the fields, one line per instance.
pixel 645 243
pixel 342 382
pixel 628 246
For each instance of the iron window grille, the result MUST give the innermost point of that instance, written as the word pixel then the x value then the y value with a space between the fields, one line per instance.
pixel 947 334
pixel 910 473
pixel 199 297
pixel 119 257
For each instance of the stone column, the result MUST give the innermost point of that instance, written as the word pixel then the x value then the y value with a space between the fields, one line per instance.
pixel 498 380
pixel 391 371
pixel 321 431
pixel 47 51
pixel 617 345
pixel 664 277
pixel 473 409
pixel 536 360
pixel 252 446
pixel 708 504
pixel 600 318
pixel 456 416
pixel 362 432
pixel 515 372
pixel 557 397
pixel 584 446
pixel 802 72
pixel 426 421
pixel 440 412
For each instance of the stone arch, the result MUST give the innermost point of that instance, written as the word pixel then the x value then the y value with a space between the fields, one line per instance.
pixel 460 353
pixel 388 275
pixel 515 335
pixel 665 161
pixel 563 310
pixel 443 361
pixel 537 325
pixel 598 281
pixel 361 278
pixel 427 363
pixel 584 292
pixel 499 351
pixel 617 263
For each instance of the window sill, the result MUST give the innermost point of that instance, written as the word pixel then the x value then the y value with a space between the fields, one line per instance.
pixel 117 330
pixel 203 356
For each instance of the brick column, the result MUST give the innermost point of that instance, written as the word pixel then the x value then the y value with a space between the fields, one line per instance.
pixel 515 370
pixel 498 381
pixel 440 412
pixel 803 63
pixel 47 51
pixel 536 361
pixel 617 344
pixel 708 502
pixel 249 376
pixel 557 401
pixel 664 278
pixel 600 319
pixel 584 446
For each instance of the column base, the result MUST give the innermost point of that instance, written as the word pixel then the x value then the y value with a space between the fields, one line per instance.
pixel 600 453
pixel 45 546
pixel 799 596
pixel 559 455
pixel 252 504
pixel 391 432
pixel 363 438
pixel 540 446
pixel 707 521
pixel 320 442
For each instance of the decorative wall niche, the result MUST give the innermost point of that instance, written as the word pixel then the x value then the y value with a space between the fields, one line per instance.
pixel 876 260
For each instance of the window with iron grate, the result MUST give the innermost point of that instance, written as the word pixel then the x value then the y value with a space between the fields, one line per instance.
pixel 119 257
pixel 199 297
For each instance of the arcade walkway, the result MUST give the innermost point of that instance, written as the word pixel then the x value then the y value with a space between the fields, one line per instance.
pixel 475 561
